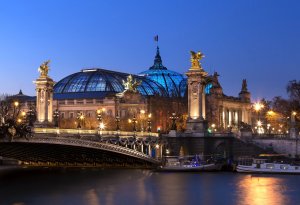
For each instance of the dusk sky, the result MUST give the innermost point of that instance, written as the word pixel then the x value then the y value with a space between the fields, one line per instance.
pixel 257 40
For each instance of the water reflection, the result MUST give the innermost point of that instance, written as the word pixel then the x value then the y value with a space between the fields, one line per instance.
pixel 91 197
pixel 261 190
pixel 109 187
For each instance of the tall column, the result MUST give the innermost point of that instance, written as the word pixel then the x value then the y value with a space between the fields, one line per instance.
pixel 203 103
pixel 196 95
pixel 44 97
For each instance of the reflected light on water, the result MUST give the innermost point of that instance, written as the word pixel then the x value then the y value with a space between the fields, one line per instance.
pixel 91 197
pixel 261 191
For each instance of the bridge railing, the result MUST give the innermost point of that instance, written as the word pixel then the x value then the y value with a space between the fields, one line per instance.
pixel 270 136
pixel 92 132
pixel 90 144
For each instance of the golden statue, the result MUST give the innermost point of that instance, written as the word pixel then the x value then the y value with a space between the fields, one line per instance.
pixel 44 68
pixel 195 58
pixel 131 85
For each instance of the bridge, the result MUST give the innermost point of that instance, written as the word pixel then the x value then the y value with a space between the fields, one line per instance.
pixel 84 150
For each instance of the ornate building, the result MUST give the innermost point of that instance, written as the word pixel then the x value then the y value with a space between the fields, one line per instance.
pixel 226 111
pixel 157 91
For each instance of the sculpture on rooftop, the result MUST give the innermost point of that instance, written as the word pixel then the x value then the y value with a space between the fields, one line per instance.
pixel 244 85
pixel 44 68
pixel 131 85
pixel 195 59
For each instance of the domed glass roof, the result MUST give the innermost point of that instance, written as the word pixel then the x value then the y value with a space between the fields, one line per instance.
pixel 95 81
pixel 173 82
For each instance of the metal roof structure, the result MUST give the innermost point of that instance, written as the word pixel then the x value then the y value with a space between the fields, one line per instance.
pixel 97 83
pixel 174 83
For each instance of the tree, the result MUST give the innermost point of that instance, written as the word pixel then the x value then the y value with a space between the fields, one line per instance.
pixel 293 90
pixel 283 108
pixel 13 123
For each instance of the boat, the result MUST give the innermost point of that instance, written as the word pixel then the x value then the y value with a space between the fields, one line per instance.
pixel 268 163
pixel 188 164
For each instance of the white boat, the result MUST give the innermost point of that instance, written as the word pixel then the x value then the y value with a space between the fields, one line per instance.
pixel 187 164
pixel 267 164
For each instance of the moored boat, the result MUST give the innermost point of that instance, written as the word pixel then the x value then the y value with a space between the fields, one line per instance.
pixel 267 164
pixel 188 164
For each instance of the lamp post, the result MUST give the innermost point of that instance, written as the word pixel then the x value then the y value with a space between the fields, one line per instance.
pixel 117 118
pixel 80 118
pixel 100 120
pixel 258 107
pixel 30 116
pixel 213 128
pixel 56 116
pixel 173 118
pixel 142 115
pixel 149 123
pixel 16 111
pixel 23 115
pixel 134 121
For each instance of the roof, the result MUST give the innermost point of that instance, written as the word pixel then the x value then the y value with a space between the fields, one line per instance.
pixel 97 82
pixel 174 83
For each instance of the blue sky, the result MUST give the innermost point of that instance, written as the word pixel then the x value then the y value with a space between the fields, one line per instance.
pixel 253 39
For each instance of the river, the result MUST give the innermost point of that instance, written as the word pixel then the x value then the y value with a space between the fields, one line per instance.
pixel 43 186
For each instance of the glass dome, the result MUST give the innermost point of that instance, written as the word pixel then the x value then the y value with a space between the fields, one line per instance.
pixel 95 81
pixel 173 82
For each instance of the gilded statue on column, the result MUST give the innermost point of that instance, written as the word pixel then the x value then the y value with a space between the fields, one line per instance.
pixel 131 85
pixel 195 59
pixel 44 68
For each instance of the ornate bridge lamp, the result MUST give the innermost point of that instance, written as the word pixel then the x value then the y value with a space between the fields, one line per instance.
pixel 80 118
pixel 117 124
pixel 100 120
pixel 134 121
pixel 142 118
pixel 174 118
pixel 56 117
pixel 258 107
pixel 149 124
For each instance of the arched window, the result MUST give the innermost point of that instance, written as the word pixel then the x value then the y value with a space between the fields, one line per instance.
pixel 207 88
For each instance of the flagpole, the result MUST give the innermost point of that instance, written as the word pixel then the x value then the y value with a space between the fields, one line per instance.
pixel 156 39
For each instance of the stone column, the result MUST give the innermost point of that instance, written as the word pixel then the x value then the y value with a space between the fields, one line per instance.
pixel 149 150
pixel 196 96
pixel 203 103
pixel 44 97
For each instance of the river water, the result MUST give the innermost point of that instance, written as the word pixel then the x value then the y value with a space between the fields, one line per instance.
pixel 124 186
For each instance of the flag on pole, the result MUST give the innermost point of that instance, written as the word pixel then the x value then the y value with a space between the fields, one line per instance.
pixel 156 38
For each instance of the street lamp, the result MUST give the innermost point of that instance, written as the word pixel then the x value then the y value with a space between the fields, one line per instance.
pixel 213 127
pixel 173 118
pixel 149 123
pixel 257 107
pixel 30 116
pixel 133 121
pixel 117 123
pixel 269 128
pixel 100 119
pixel 99 115
pixel 16 103
pixel 80 118
pixel 142 119
pixel 56 116
pixel 23 114
pixel 16 111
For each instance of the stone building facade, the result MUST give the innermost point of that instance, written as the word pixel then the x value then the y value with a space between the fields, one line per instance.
pixel 159 92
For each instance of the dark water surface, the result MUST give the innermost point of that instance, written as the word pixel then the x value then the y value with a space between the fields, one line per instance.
pixel 122 186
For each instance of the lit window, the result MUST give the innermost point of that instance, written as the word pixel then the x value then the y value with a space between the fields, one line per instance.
pixel 207 88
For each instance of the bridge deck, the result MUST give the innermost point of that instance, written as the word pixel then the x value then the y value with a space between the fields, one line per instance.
pixel 73 152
